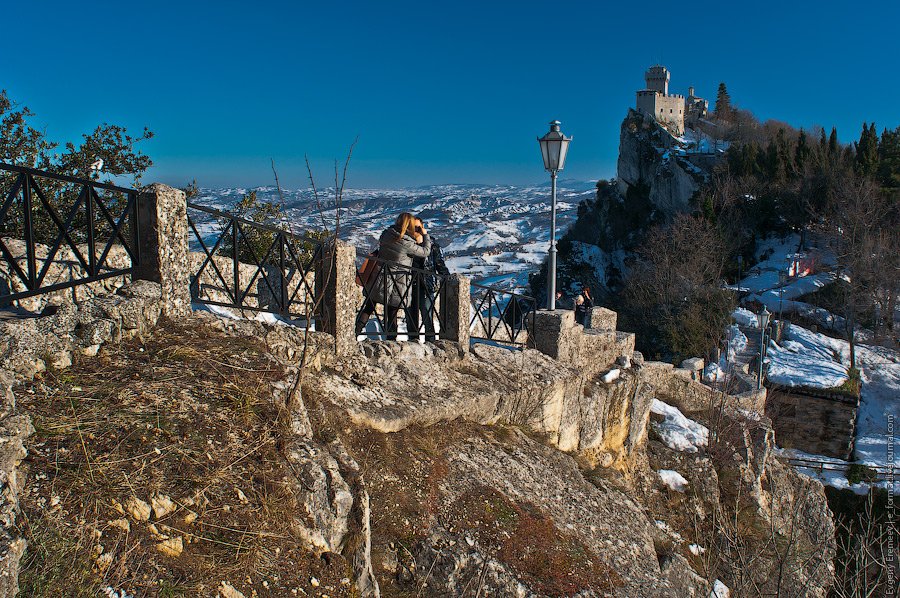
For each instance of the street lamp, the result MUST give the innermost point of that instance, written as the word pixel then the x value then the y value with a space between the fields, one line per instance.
pixel 762 318
pixel 554 147
pixel 782 279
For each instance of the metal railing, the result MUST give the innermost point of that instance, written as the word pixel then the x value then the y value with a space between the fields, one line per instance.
pixel 49 220
pixel 500 316
pixel 389 291
pixel 878 473
pixel 247 265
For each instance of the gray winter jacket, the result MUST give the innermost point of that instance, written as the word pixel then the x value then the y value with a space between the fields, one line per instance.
pixel 395 257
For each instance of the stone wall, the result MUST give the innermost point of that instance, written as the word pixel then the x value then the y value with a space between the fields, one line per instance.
pixel 590 351
pixel 677 386
pixel 816 423
pixel 665 109
pixel 29 346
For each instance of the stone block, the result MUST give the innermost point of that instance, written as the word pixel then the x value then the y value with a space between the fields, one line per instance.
pixel 458 311
pixel 694 364
pixel 602 319
pixel 337 294
pixel 555 334
pixel 163 243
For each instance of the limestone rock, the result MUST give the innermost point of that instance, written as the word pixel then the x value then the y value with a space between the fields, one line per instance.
pixel 137 509
pixel 172 547
pixel 121 524
pixel 162 506
pixel 226 590
pixel 324 497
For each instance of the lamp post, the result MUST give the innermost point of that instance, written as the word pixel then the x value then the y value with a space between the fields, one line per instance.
pixel 782 279
pixel 762 318
pixel 554 147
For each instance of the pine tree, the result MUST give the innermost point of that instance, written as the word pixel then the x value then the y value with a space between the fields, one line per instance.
pixel 889 159
pixel 802 152
pixel 833 142
pixel 823 142
pixel 867 151
pixel 723 103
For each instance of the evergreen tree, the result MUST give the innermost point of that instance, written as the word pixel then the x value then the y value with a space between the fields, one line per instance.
pixel 833 142
pixel 867 151
pixel 723 103
pixel 889 159
pixel 823 143
pixel 802 152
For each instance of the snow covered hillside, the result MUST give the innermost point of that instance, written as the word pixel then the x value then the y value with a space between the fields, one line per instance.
pixel 496 233
pixel 805 358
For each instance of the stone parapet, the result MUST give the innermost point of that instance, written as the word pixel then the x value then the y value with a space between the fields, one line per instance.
pixel 591 350
pixel 602 319
pixel 336 294
pixel 163 242
pixel 458 311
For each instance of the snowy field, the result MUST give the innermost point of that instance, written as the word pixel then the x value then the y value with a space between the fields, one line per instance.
pixel 496 234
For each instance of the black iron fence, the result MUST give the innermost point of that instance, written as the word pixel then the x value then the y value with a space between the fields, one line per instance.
pixel 869 473
pixel 500 316
pixel 246 265
pixel 399 301
pixel 58 232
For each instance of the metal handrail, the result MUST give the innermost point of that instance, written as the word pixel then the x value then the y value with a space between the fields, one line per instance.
pixel 280 268
pixel 390 273
pixel 522 321
pixel 35 201
pixel 63 177
pixel 259 225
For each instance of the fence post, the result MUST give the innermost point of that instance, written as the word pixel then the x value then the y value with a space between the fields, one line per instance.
pixel 458 311
pixel 337 293
pixel 163 242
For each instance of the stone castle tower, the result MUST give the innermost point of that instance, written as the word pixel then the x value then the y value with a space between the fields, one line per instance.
pixel 668 109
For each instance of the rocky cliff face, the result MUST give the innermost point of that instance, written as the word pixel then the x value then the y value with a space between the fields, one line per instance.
pixel 656 179
pixel 398 469
pixel 649 157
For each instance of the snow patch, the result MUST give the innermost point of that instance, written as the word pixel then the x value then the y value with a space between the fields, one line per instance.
pixel 673 479
pixel 677 431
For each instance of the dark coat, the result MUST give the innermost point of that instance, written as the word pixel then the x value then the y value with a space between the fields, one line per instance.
pixel 395 258
pixel 433 262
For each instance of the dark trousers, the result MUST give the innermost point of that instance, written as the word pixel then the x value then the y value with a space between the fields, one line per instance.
pixel 422 304
pixel 389 323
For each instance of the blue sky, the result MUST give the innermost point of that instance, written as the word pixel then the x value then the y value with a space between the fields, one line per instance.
pixel 436 92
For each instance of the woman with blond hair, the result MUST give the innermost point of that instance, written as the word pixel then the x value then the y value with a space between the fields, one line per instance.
pixel 398 245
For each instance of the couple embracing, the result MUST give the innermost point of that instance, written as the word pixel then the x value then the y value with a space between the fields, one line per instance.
pixel 407 258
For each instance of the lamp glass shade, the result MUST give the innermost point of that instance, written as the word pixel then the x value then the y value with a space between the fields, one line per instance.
pixel 554 147
pixel 763 318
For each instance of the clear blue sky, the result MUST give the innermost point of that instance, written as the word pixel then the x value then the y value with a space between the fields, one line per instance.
pixel 436 92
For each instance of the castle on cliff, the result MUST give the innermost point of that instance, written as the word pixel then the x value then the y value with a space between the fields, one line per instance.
pixel 669 110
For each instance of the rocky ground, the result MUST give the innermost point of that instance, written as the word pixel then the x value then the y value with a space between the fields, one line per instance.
pixel 213 457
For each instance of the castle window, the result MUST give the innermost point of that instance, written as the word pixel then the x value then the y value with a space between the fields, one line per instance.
pixel 670 111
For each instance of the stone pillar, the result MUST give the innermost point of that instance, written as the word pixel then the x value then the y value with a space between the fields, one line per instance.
pixel 602 319
pixel 163 244
pixel 555 334
pixel 337 294
pixel 457 311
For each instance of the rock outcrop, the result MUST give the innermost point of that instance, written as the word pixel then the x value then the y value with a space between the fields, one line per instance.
pixel 648 158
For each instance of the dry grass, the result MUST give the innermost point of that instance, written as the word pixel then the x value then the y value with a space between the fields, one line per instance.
pixel 188 414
